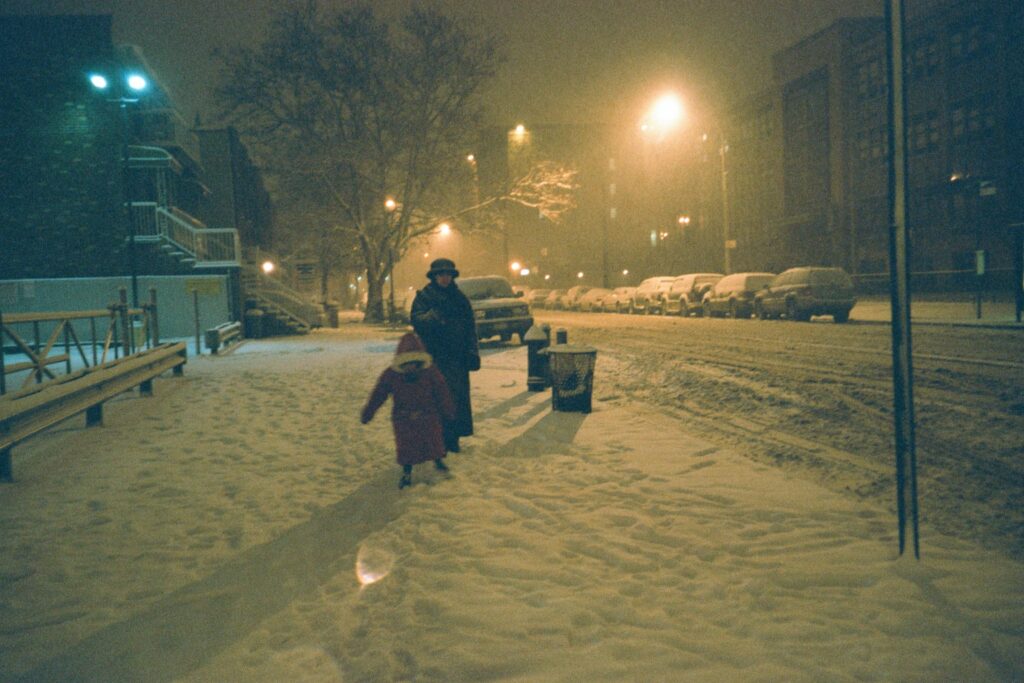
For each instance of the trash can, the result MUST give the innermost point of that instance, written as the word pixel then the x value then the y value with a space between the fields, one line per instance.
pixel 572 376
pixel 332 314
pixel 253 326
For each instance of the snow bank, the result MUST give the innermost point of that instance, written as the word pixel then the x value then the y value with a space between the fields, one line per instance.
pixel 242 526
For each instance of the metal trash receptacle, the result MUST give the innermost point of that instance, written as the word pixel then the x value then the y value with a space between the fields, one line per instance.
pixel 572 376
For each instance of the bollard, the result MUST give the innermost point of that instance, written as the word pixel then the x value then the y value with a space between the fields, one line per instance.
pixel 561 336
pixel 537 377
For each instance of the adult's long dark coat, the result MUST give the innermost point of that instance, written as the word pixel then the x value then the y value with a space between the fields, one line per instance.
pixel 444 321
pixel 421 404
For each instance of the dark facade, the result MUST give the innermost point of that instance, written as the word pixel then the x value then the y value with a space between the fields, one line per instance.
pixel 90 173
pixel 61 179
pixel 237 197
pixel 829 101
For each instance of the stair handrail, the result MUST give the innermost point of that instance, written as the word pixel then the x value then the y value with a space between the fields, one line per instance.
pixel 280 295
pixel 209 246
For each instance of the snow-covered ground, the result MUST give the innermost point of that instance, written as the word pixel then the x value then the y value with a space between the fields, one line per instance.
pixel 228 529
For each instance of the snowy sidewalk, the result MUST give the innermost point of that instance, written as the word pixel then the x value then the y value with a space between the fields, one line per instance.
pixel 227 544
pixel 930 312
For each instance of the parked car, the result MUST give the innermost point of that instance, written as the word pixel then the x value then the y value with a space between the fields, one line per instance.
pixel 733 295
pixel 570 301
pixel 551 301
pixel 536 297
pixel 799 293
pixel 647 297
pixel 618 300
pixel 498 310
pixel 591 301
pixel 686 294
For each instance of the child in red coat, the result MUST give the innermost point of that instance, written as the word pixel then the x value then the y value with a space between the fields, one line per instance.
pixel 421 403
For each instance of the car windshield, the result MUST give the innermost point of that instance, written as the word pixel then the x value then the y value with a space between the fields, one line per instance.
pixel 706 279
pixel 486 288
pixel 833 278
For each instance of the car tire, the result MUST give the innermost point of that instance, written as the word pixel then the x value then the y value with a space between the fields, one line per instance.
pixel 791 312
pixel 706 307
pixel 759 311
pixel 734 311
pixel 841 316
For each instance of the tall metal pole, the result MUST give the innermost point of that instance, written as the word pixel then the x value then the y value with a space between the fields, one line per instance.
pixel 899 286
pixel 122 104
pixel 722 151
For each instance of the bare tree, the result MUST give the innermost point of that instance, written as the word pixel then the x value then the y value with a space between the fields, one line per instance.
pixel 372 123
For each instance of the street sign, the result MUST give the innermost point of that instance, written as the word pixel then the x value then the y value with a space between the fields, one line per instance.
pixel 203 285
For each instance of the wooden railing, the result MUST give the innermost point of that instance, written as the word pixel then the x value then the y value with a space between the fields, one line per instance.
pixel 125 331
pixel 30 411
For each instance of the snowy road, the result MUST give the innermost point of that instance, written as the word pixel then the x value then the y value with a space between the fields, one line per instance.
pixel 817 398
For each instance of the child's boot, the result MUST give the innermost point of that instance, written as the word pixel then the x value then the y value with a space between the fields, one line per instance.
pixel 439 464
pixel 406 479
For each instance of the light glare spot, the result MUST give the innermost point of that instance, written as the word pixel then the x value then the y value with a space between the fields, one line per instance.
pixel 372 564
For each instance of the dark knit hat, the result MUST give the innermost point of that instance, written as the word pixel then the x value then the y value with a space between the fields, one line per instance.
pixel 442 265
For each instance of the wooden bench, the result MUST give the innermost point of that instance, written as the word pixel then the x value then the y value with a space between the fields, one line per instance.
pixel 222 335
pixel 30 411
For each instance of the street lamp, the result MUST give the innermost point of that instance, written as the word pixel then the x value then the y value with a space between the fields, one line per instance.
pixel 125 87
pixel 389 207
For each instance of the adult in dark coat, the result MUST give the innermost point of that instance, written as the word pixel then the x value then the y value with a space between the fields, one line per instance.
pixel 443 319
pixel 422 403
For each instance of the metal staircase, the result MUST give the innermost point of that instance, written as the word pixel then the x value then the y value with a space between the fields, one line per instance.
pixel 284 311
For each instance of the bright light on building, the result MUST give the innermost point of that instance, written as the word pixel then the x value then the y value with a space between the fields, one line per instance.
pixel 579 274
pixel 444 229
pixel 390 204
pixel 524 272
pixel 515 265
pixel 547 277
pixel 684 220
pixel 520 130
pixel 268 267
pixel 625 271
pixel 470 158
pixel 137 82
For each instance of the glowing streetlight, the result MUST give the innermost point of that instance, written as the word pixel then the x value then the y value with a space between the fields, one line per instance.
pixel 268 267
pixel 127 88
pixel 444 229
pixel 625 271
pixel 665 114
pixel 547 276
pixel 515 265
pixel 579 275
pixel 684 221
pixel 390 204
pixel 471 158
pixel 520 129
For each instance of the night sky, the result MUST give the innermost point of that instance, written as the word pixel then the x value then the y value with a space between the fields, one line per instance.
pixel 569 60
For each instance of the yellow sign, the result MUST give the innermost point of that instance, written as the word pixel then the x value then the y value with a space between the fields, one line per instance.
pixel 203 285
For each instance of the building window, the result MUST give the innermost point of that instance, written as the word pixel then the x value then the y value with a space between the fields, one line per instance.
pixel 925 133
pixel 973 118
pixel 922 59
pixel 871 79
pixel 967 41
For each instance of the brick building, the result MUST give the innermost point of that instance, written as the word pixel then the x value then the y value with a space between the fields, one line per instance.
pixel 92 172
pixel 817 179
